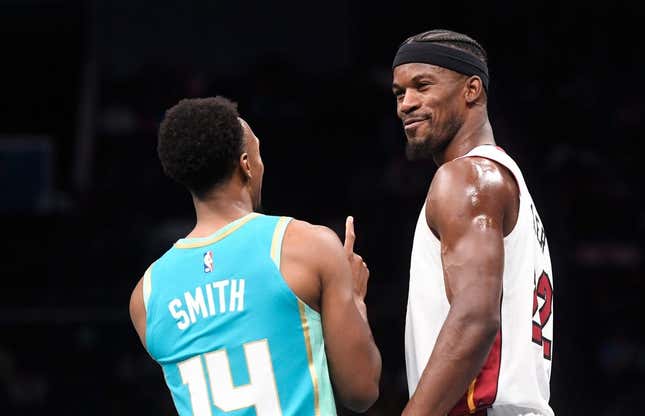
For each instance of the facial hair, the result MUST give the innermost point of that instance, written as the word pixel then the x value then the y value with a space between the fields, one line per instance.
pixel 433 144
pixel 418 150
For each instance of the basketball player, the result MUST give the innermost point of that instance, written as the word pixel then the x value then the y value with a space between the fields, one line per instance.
pixel 250 314
pixel 479 325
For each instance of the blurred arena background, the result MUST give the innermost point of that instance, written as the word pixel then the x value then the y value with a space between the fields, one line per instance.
pixel 84 206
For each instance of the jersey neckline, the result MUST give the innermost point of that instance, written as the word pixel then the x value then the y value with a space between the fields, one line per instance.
pixel 217 235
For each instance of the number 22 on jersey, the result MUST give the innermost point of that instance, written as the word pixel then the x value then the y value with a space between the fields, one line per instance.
pixel 261 391
pixel 544 291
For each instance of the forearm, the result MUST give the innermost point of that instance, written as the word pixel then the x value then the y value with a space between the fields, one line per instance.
pixel 372 353
pixel 351 350
pixel 459 354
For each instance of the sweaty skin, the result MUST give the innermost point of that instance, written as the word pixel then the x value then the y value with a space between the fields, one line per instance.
pixel 472 204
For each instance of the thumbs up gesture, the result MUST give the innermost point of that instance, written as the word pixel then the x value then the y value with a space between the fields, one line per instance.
pixel 360 272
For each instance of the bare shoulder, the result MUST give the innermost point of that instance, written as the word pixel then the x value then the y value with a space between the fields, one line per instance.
pixel 469 186
pixel 479 172
pixel 314 246
pixel 311 236
pixel 309 253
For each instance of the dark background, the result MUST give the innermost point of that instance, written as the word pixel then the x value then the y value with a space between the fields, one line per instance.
pixel 85 206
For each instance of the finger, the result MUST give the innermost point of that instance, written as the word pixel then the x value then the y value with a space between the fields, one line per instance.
pixel 350 236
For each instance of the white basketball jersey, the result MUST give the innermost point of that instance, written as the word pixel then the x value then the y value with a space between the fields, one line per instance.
pixel 514 380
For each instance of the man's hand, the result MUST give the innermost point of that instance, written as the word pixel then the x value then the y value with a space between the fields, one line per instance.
pixel 360 272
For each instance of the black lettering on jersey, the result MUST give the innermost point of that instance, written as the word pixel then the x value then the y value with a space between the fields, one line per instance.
pixel 538 228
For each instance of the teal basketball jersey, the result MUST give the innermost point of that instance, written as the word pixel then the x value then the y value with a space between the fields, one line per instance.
pixel 231 337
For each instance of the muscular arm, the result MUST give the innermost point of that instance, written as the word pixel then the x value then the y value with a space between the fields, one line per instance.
pixel 467 204
pixel 338 291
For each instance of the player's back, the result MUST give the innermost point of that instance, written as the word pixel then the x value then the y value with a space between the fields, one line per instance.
pixel 231 336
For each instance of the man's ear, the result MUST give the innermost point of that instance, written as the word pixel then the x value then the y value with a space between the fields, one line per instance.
pixel 474 89
pixel 245 165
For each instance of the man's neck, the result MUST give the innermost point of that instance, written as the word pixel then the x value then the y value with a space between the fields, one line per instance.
pixel 470 135
pixel 218 209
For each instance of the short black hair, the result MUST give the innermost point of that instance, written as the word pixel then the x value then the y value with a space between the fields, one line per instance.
pixel 200 142
pixel 451 39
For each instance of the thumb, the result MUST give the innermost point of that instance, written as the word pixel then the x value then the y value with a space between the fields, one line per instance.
pixel 350 236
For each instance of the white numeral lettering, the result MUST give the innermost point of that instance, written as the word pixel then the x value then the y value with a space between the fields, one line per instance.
pixel 261 391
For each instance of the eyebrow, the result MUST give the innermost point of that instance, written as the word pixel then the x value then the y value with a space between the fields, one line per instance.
pixel 416 78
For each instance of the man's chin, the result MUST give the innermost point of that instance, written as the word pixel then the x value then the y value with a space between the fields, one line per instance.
pixel 418 149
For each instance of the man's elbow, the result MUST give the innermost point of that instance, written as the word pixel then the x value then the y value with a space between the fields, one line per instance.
pixel 492 326
pixel 487 324
pixel 484 320
pixel 363 398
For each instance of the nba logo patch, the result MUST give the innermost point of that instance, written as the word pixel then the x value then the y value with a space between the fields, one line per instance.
pixel 208 261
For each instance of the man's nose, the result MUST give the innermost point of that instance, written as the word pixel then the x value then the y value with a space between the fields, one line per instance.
pixel 409 102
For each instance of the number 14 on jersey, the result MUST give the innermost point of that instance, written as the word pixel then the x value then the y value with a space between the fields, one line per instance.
pixel 261 391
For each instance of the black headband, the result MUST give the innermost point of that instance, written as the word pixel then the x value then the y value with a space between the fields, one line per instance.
pixel 443 56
